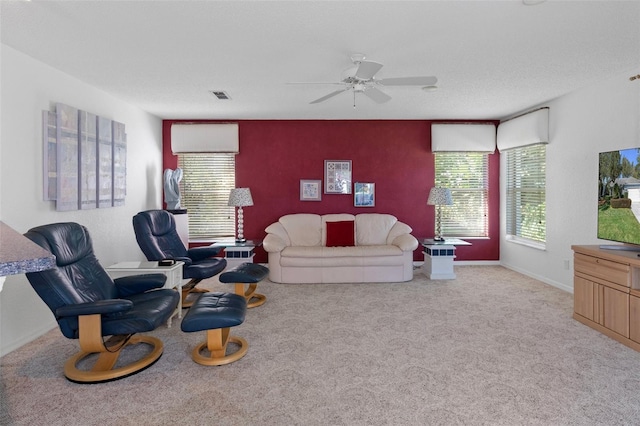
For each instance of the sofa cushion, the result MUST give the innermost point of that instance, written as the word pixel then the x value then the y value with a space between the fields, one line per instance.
pixel 326 252
pixel 373 228
pixel 341 256
pixel 303 228
pixel 340 234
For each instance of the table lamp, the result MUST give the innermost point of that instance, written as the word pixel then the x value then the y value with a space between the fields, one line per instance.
pixel 439 197
pixel 240 197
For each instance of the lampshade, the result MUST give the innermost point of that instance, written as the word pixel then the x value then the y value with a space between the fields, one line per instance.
pixel 440 197
pixel 240 197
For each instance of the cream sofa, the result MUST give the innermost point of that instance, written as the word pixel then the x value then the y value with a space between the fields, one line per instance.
pixel 382 249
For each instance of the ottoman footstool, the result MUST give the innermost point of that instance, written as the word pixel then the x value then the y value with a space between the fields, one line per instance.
pixel 247 273
pixel 216 312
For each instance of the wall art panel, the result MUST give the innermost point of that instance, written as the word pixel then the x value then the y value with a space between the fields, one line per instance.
pixel 67 158
pixel 88 161
pixel 84 159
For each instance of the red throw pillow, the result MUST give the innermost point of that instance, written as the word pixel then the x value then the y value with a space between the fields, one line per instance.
pixel 340 234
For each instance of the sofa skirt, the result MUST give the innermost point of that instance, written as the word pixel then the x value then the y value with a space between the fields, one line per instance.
pixel 291 270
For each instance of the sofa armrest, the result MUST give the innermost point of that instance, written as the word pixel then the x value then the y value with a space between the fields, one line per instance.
pixel 406 242
pixel 273 243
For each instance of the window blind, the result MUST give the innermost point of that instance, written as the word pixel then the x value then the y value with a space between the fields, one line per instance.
pixel 466 174
pixel 205 187
pixel 526 195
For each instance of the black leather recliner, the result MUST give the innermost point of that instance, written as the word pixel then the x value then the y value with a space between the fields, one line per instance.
pixel 158 239
pixel 89 305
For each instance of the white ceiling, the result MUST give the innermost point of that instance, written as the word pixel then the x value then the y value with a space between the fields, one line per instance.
pixel 492 58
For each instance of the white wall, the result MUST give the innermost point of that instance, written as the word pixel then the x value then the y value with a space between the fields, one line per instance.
pixel 29 87
pixel 602 117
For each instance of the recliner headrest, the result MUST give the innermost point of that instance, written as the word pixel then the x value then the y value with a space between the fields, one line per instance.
pixel 160 221
pixel 68 241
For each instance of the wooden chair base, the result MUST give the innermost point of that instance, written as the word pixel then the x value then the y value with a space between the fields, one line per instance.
pixel 216 344
pixel 253 299
pixel 103 369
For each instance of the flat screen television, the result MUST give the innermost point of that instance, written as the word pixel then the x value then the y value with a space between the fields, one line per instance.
pixel 619 198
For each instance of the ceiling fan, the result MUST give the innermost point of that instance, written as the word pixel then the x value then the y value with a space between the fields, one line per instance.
pixel 360 78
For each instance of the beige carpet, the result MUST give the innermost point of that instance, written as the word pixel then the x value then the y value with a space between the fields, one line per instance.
pixel 491 347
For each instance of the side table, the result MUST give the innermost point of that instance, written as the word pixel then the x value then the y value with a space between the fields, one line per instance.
pixel 438 257
pixel 173 274
pixel 237 253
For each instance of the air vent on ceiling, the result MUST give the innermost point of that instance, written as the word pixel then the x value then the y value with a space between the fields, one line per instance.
pixel 220 94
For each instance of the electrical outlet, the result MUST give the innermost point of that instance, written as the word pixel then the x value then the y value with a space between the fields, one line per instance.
pixel 566 264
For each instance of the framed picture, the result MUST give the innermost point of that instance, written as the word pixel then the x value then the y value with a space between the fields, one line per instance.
pixel 310 190
pixel 364 194
pixel 337 176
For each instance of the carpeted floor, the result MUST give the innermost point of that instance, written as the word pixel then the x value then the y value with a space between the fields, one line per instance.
pixel 492 347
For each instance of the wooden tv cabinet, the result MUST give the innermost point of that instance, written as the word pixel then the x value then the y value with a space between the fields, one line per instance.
pixel 606 292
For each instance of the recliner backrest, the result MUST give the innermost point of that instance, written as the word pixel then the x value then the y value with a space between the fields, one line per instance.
pixel 157 236
pixel 78 276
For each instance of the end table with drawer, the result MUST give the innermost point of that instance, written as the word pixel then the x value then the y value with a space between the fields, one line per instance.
pixel 237 253
pixel 438 257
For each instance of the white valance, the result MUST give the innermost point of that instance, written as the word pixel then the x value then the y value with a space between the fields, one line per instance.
pixel 528 129
pixel 200 137
pixel 471 137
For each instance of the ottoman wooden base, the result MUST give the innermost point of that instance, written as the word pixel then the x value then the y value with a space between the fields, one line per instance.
pixel 249 274
pixel 216 313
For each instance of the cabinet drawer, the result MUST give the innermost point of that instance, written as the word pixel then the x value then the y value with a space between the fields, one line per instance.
pixel 618 273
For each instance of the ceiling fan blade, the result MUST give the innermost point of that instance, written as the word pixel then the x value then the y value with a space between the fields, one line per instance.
pixel 334 83
pixel 367 69
pixel 408 81
pixel 377 95
pixel 330 95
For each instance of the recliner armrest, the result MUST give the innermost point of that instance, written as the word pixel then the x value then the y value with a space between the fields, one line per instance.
pixel 187 260
pixel 199 253
pixel 136 284
pixel 91 308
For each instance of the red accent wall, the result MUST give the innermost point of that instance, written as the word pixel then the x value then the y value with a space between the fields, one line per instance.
pixel 393 154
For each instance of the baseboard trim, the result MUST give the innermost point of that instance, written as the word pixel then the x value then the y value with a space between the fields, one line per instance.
pixel 476 263
pixel 545 280
pixel 556 284
pixel 418 264
pixel 23 340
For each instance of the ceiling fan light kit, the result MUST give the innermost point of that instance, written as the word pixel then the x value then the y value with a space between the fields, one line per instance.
pixel 360 78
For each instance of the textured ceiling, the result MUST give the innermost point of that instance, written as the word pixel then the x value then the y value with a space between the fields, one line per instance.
pixel 492 58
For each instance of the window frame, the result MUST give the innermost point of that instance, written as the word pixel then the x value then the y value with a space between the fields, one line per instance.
pixel 526 184
pixel 208 176
pixel 471 187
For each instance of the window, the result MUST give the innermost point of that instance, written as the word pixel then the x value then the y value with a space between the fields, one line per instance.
pixel 526 204
pixel 466 175
pixel 207 180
